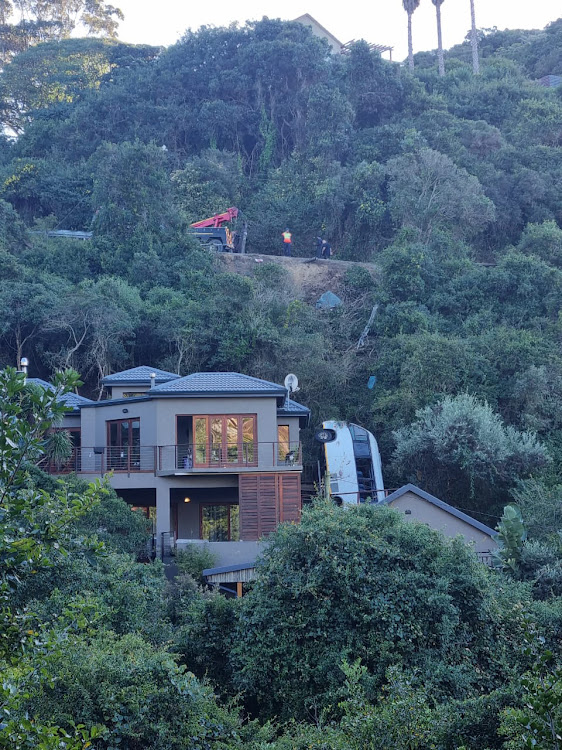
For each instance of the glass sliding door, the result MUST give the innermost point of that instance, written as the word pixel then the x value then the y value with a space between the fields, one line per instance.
pixel 225 440
pixel 283 444
pixel 201 441
pixel 219 523
pixel 231 438
pixel 123 445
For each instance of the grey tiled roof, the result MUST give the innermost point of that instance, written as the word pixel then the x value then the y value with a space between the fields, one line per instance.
pixel 293 407
pixel 72 400
pixel 139 376
pixel 219 383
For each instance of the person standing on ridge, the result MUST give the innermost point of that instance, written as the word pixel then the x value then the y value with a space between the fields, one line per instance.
pixel 287 242
pixel 319 242
pixel 326 249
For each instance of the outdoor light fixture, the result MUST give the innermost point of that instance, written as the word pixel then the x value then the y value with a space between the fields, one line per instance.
pixel 187 499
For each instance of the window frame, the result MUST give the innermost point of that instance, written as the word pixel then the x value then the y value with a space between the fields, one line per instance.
pixel 223 457
pixel 131 463
pixel 220 504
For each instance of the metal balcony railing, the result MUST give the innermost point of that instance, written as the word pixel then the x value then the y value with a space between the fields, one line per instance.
pixel 186 457
pixel 100 460
pixel 204 456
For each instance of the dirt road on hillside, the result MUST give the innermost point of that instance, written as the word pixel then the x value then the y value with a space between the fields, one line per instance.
pixel 310 278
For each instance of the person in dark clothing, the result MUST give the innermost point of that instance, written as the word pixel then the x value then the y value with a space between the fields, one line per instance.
pixel 326 249
pixel 319 242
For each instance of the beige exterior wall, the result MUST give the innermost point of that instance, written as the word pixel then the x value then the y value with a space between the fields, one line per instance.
pixel 436 518
pixel 318 30
pixel 117 391
pixel 168 408
pixel 70 421
pixel 158 428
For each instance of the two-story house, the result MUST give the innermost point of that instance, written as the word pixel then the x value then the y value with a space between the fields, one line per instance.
pixel 214 457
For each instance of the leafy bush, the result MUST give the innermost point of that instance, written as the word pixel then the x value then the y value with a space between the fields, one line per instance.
pixel 462 451
pixel 205 640
pixel 364 584
pixel 138 693
pixel 194 559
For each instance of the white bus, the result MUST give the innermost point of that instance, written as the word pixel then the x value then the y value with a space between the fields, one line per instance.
pixel 350 458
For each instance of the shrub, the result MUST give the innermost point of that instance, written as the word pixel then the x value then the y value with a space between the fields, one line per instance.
pixel 194 559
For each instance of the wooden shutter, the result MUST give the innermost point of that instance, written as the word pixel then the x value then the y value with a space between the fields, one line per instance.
pixel 259 505
pixel 290 502
pixel 248 500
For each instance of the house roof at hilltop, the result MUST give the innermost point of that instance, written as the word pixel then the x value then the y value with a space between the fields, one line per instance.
pixel 72 400
pixel 440 504
pixel 307 20
pixel 139 376
pixel 218 384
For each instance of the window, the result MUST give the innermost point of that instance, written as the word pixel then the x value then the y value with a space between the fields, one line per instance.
pixel 123 445
pixel 225 440
pixel 282 442
pixel 220 523
pixel 134 394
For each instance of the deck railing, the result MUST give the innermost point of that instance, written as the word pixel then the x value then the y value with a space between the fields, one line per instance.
pixel 187 457
pixel 204 456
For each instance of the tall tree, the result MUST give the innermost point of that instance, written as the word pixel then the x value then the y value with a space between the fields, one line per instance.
pixel 438 4
pixel 45 20
pixel 474 40
pixel 409 7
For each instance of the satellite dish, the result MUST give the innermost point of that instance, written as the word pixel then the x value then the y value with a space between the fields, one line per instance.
pixel 291 383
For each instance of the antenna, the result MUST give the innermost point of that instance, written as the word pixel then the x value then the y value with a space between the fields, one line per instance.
pixel 291 383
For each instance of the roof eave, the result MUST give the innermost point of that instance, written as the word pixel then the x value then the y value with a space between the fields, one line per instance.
pixel 439 504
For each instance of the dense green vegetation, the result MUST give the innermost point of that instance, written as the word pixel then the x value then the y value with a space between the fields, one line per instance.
pixel 361 632
pixel 448 184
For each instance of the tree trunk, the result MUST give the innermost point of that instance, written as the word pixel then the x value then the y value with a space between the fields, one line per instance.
pixel 474 41
pixel 439 40
pixel 410 44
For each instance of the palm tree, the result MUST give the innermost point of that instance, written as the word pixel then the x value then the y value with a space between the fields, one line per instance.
pixel 409 7
pixel 474 40
pixel 438 4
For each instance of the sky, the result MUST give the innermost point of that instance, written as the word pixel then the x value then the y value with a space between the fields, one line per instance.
pixel 162 22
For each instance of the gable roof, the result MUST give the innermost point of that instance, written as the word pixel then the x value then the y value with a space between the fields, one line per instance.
pixel 440 504
pixel 139 376
pixel 307 20
pixel 72 400
pixel 218 384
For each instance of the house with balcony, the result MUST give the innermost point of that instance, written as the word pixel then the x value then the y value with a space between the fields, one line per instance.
pixel 210 457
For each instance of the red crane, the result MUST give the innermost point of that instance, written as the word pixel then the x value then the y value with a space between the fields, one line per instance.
pixel 218 220
pixel 212 232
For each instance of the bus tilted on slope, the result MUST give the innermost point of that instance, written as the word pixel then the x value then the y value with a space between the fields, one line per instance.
pixel 350 458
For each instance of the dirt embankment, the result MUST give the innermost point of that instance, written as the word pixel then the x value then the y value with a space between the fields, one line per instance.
pixel 310 278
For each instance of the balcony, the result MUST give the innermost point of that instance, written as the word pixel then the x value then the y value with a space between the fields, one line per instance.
pixel 179 460
pixel 195 458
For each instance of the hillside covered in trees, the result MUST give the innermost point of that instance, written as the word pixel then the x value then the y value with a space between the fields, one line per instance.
pixel 361 631
pixel 449 185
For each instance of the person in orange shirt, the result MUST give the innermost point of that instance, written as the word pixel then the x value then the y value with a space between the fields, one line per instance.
pixel 287 242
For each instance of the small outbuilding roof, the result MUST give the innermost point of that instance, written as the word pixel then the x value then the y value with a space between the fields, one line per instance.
pixel 72 400
pixel 139 376
pixel 231 573
pixel 291 408
pixel 440 504
pixel 218 384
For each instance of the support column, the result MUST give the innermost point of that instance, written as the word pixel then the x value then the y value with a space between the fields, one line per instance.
pixel 162 520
